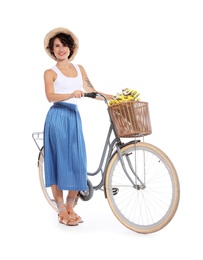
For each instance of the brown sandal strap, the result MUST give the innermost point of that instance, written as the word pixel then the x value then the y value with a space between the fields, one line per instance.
pixel 66 219
pixel 75 216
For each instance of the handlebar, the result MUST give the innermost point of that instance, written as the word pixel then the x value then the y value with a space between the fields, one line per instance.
pixel 94 95
pixel 91 95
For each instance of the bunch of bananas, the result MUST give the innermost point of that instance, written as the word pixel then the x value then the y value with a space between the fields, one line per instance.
pixel 126 95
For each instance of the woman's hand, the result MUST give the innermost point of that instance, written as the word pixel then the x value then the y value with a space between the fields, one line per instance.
pixel 77 94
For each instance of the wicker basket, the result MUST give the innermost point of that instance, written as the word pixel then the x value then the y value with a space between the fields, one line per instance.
pixel 131 118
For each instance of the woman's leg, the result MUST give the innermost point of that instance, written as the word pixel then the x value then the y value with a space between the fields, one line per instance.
pixel 57 194
pixel 71 201
pixel 63 215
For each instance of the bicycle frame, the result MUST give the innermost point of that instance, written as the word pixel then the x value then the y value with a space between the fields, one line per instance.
pixel 109 150
pixel 110 147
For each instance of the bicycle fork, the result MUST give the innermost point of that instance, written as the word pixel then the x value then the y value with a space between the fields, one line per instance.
pixel 134 182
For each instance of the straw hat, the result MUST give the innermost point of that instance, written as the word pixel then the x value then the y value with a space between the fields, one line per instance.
pixel 56 31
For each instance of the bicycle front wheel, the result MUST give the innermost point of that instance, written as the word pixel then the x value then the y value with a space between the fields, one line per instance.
pixel 147 197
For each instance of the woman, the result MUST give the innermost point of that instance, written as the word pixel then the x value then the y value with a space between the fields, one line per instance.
pixel 64 146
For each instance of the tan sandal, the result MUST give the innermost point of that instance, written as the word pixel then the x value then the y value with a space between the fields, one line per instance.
pixel 75 216
pixel 64 217
pixel 70 204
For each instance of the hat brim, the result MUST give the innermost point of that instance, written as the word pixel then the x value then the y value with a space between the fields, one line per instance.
pixel 53 33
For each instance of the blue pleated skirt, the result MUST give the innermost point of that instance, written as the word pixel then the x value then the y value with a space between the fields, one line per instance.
pixel 65 161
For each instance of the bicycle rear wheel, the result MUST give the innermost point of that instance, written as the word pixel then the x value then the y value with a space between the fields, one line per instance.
pixel 46 191
pixel 147 204
pixel 83 195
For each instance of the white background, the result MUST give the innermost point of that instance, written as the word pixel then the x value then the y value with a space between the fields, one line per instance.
pixel 155 47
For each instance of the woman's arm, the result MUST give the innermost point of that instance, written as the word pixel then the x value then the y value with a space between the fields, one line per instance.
pixel 88 87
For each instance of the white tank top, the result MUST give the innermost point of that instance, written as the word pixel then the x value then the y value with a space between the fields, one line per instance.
pixel 65 85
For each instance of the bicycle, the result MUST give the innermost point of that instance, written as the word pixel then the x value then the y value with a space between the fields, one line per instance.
pixel 138 179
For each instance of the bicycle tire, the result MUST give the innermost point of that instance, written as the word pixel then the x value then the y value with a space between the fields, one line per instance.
pixel 46 190
pixel 88 194
pixel 83 195
pixel 143 210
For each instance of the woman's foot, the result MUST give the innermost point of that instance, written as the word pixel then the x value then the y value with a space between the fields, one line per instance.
pixel 70 204
pixel 64 217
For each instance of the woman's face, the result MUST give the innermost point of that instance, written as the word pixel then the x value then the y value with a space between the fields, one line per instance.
pixel 61 52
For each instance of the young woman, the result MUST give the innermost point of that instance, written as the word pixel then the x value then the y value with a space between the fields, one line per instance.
pixel 64 146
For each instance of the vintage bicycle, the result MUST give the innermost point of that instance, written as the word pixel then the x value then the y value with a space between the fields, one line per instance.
pixel 138 179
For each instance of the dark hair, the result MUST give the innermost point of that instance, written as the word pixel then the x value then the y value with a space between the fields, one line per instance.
pixel 66 40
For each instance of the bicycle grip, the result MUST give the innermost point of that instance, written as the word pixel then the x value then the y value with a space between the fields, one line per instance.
pixel 91 95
